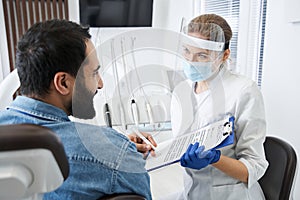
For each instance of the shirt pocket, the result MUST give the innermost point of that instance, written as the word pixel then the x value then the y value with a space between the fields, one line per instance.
pixel 230 192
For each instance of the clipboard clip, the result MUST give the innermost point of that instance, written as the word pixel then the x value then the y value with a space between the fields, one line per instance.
pixel 229 126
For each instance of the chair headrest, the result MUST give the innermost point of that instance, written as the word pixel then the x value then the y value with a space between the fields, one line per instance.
pixel 30 136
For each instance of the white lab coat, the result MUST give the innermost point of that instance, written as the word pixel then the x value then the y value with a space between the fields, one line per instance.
pixel 229 94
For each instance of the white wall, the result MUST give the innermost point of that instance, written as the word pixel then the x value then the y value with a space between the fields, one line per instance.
pixel 74 11
pixel 281 81
pixel 4 60
pixel 167 14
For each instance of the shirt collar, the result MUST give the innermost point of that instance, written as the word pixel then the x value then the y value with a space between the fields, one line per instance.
pixel 38 108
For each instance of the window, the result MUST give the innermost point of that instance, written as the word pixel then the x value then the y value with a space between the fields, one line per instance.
pixel 247 19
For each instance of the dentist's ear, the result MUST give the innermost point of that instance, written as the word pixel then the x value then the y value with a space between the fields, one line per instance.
pixel 226 55
pixel 63 83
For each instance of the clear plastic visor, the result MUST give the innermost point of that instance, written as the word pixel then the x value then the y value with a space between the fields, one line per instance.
pixel 201 42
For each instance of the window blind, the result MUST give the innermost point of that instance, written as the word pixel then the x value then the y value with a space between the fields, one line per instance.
pixel 247 21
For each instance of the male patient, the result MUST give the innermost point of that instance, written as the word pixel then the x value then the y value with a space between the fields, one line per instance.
pixel 58 70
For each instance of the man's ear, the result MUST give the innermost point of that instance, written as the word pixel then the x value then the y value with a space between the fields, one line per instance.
pixel 63 83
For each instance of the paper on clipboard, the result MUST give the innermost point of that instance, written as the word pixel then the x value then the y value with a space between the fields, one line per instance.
pixel 210 136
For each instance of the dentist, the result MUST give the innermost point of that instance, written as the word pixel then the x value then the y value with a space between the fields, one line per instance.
pixel 231 172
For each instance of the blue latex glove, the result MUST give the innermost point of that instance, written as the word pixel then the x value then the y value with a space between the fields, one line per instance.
pixel 196 158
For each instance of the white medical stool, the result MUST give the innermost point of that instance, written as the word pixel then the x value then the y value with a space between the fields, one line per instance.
pixel 32 162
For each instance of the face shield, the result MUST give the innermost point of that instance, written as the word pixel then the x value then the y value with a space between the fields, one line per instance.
pixel 201 45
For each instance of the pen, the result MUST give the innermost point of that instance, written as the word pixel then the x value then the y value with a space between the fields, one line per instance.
pixel 135 118
pixel 144 139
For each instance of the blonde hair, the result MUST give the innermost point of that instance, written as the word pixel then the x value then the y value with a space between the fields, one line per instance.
pixel 206 20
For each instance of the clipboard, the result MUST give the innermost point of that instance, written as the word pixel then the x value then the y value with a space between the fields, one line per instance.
pixel 212 136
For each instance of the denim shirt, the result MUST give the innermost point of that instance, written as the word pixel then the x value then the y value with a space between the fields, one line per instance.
pixel 102 161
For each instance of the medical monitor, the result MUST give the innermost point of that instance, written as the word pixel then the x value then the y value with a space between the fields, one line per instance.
pixel 116 13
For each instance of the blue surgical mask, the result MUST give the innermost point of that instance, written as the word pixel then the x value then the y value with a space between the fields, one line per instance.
pixel 197 71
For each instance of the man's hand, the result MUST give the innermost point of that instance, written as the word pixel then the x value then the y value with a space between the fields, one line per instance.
pixel 141 145
pixel 196 158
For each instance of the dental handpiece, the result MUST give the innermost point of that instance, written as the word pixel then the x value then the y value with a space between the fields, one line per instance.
pixel 107 115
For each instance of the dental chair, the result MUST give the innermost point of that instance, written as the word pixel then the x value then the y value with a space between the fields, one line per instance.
pixel 8 88
pixel 277 182
pixel 32 162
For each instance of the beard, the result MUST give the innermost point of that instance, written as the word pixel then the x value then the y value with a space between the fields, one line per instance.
pixel 82 105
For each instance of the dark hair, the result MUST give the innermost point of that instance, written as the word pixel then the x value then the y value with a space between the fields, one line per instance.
pixel 47 48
